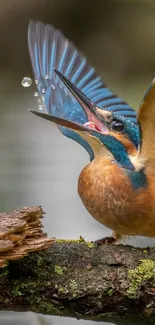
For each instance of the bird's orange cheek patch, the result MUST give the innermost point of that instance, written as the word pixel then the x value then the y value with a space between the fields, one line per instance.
pixel 129 146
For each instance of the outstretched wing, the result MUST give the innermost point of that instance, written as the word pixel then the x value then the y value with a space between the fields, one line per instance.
pixel 50 49
pixel 146 118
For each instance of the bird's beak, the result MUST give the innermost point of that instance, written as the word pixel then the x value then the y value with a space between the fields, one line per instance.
pixel 84 131
pixel 62 122
pixel 94 119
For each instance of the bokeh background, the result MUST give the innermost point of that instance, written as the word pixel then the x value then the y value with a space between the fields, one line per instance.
pixel 37 164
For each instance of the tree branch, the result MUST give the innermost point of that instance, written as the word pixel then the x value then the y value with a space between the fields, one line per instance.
pixel 73 277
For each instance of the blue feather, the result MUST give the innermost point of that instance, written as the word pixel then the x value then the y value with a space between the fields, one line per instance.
pixel 115 147
pixel 49 49
pixel 138 179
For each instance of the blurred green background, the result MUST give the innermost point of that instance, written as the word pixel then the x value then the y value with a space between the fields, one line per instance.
pixel 38 165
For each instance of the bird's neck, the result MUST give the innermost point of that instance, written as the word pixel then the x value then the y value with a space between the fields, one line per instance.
pixel 105 169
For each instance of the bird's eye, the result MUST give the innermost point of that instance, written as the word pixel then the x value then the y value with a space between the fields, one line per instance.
pixel 117 126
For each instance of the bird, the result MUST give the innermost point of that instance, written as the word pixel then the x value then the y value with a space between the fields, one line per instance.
pixel 117 186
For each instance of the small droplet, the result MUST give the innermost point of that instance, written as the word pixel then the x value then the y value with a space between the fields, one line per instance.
pixel 26 82
pixel 36 82
pixel 39 100
pixel 40 107
pixel 43 91
pixel 35 94
pixel 46 76
pixel 53 87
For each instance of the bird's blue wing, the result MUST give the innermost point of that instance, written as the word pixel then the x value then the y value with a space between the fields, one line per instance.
pixel 50 49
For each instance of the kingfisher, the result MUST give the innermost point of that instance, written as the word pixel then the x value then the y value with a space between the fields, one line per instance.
pixel 117 186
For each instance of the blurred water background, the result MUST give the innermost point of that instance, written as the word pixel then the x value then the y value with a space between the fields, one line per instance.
pixel 38 166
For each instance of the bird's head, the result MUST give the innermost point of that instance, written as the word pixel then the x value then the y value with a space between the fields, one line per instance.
pixel 109 134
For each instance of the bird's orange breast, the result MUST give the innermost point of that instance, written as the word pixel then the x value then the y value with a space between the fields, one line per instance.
pixel 108 195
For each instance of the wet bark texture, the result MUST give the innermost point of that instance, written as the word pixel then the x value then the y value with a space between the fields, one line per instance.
pixel 112 283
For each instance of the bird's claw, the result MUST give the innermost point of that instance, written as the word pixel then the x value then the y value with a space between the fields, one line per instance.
pixel 104 240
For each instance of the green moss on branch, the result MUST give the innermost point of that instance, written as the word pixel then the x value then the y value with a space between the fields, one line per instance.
pixel 75 278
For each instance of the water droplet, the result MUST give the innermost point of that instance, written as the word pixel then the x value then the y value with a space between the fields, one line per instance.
pixel 46 76
pixel 26 82
pixel 53 87
pixel 40 107
pixel 36 82
pixel 43 91
pixel 39 100
pixel 35 94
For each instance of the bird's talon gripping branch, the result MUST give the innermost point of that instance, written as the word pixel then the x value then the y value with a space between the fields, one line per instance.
pixel 104 240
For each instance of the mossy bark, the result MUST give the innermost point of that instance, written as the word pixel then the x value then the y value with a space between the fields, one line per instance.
pixel 77 279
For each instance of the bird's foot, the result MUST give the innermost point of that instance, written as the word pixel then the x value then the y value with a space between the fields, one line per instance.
pixel 105 240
